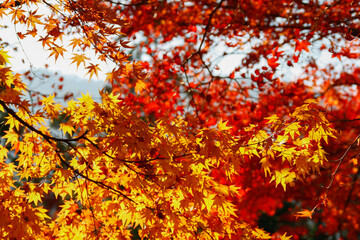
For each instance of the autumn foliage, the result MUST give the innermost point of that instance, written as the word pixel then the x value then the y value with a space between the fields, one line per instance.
pixel 221 120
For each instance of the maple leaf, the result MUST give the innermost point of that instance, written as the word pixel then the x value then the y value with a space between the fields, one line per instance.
pixel 272 62
pixel 32 32
pixel 75 42
pixel 17 15
pixel 284 237
pixel 302 45
pixel 57 51
pixel 4 57
pixel 34 19
pixel 78 59
pixel 232 75
pixel 12 137
pixel 140 86
pixel 337 55
pixel 34 197
pixel 304 213
pixel 221 126
pixel 272 119
pixel 260 234
pixel 156 161
pixel 67 128
pixel 283 177
pixel 265 164
pixel 308 101
pixel 93 69
pixel 20 35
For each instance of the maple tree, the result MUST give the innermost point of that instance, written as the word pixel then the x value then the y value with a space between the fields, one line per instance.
pixel 179 147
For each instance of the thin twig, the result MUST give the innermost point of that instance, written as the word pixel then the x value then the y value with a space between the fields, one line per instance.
pixel 340 162
pixel 144 2
pixel 91 180
pixel 207 28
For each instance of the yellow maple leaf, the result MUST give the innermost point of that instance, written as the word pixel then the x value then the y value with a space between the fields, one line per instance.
pixel 265 164
pixel 67 128
pixel 12 137
pixel 284 237
pixel 261 234
pixel 4 57
pixel 78 59
pixel 272 119
pixel 311 101
pixel 140 86
pixel 42 213
pixel 222 125
pixel 34 197
pixel 304 213
pixel 284 176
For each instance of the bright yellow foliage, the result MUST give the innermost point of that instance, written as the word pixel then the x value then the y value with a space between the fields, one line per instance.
pixel 114 172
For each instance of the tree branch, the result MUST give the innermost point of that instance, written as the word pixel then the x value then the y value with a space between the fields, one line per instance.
pixel 51 139
pixel 91 180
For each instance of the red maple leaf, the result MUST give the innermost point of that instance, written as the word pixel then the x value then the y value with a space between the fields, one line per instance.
pixel 302 45
pixel 273 62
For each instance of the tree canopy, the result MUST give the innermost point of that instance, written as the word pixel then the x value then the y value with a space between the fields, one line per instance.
pixel 223 119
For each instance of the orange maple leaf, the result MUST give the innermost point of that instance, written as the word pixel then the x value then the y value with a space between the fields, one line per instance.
pixel 57 51
pixel 78 59
pixel 93 69
pixel 139 86
pixel 304 213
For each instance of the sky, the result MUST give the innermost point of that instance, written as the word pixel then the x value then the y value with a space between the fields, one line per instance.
pixel 30 55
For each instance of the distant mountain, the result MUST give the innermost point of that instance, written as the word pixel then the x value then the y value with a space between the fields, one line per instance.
pixel 46 82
